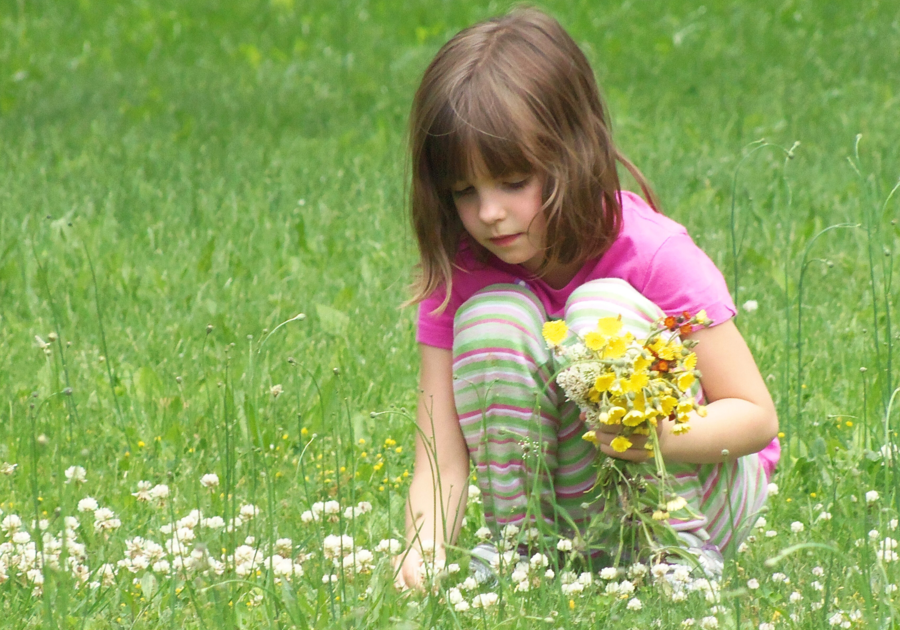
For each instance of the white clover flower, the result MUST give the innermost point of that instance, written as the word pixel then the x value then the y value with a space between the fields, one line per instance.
pixel 780 577
pixel 330 579
pixel 71 523
pixel 874 534
pixel 765 625
pixel 753 584
pixel 818 571
pixel 519 575
pixel 483 533
pixel 549 574
pixel 484 600
pixel 586 579
pixel 567 577
pixel 21 538
pixel 823 516
pixel 564 544
pixel 772 489
pixel 11 524
pixel 872 496
pixel 637 570
pixel 469 584
pixel 893 524
pixel 575 588
pixel 510 531
pixel 389 545
pixel 708 623
pixel 284 547
pixel 750 306
pixel 335 546
pixel 209 480
pixel 743 547
pixel 454 596
pixel 462 606
pixel 143 491
pixel 608 573
pixel 248 511
pixel 688 623
pixel 634 604
pixel 796 597
pixel 760 523
pixel 276 390
pixel 474 494
pixel 836 619
pixel 817 586
pixel 75 474
pixel 159 492
pixel 539 561
pixel 658 571
pixel 87 504
pixel 308 517
pixel 890 588
pixel 771 533
pixel 797 527
pixel 213 522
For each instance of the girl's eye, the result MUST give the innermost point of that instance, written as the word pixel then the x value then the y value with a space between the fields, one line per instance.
pixel 518 184
pixel 461 192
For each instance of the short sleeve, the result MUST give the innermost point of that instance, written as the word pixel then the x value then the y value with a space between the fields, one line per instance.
pixel 681 277
pixel 435 329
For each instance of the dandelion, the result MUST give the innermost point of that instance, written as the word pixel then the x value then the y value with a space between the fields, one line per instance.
pixel 75 474
pixel 209 481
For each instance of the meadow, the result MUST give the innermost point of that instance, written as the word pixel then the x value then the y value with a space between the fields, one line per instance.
pixel 205 376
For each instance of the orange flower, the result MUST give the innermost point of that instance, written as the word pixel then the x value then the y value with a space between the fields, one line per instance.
pixel 686 329
pixel 662 366
pixel 670 322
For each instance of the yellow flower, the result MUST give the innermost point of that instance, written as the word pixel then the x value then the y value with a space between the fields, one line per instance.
pixel 594 341
pixel 554 332
pixel 633 418
pixel 603 382
pixel 641 363
pixel 701 318
pixel 615 348
pixel 609 326
pixel 685 381
pixel 660 515
pixel 701 411
pixel 637 382
pixel 680 429
pixel 668 404
pixel 590 436
pixel 615 415
pixel 621 444
pixel 691 361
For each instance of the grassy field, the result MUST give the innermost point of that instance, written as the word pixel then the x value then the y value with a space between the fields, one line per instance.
pixel 179 179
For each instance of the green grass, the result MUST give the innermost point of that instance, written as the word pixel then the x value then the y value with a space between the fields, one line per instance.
pixel 235 164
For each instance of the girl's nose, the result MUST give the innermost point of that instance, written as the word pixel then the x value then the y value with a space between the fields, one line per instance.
pixel 491 209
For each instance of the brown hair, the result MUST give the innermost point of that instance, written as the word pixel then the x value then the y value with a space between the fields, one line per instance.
pixel 516 94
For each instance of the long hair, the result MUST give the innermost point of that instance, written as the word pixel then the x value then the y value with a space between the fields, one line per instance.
pixel 516 94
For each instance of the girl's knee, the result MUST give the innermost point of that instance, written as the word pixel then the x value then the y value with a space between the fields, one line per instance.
pixel 506 313
pixel 610 297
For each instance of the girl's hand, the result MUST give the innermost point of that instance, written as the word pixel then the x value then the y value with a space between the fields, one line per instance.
pixel 637 453
pixel 408 570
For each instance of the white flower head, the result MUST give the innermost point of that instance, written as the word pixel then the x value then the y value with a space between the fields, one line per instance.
pixel 88 504
pixel 209 480
pixel 797 527
pixel 76 474
pixel 872 496
pixel 750 305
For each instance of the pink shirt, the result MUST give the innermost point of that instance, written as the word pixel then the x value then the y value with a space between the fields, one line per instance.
pixel 653 253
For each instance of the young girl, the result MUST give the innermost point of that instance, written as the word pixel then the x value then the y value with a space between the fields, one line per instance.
pixel 520 219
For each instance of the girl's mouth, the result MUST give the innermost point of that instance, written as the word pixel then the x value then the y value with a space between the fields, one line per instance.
pixel 503 241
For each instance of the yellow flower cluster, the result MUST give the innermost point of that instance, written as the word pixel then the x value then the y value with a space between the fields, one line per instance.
pixel 636 383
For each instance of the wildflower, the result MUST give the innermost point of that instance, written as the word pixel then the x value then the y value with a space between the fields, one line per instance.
pixel 209 480
pixel 276 390
pixel 11 524
pixel 818 571
pixel 620 444
pixel 143 491
pixel 75 474
pixel 575 588
pixel 708 623
pixel 21 538
pixel 554 333
pixel 7 469
pixel 484 600
pixel 88 504
pixel 469 584
pixel 780 577
pixel 462 606
pixel 760 523
pixel 823 516
pixel 637 570
pixel 248 511
pixel 797 527
pixel 634 604
pixel 750 305
pixel 766 626
pixel 389 545
pixel 688 623
pixel 872 496
pixel 795 597
pixel 874 535
pixel 105 520
pixel 753 584
pixel 772 489
pixel 608 573
pixel 771 533
pixel 510 531
pixel 676 504
pixel 539 561
pixel 159 492
pixel 564 544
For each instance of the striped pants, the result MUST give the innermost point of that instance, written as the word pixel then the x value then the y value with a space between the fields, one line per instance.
pixel 524 436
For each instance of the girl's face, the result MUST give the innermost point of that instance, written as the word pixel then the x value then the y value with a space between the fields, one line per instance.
pixel 504 215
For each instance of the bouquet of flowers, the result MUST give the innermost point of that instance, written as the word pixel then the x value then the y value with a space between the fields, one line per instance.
pixel 633 385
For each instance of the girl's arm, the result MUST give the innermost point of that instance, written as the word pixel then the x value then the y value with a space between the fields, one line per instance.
pixel 437 493
pixel 740 416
